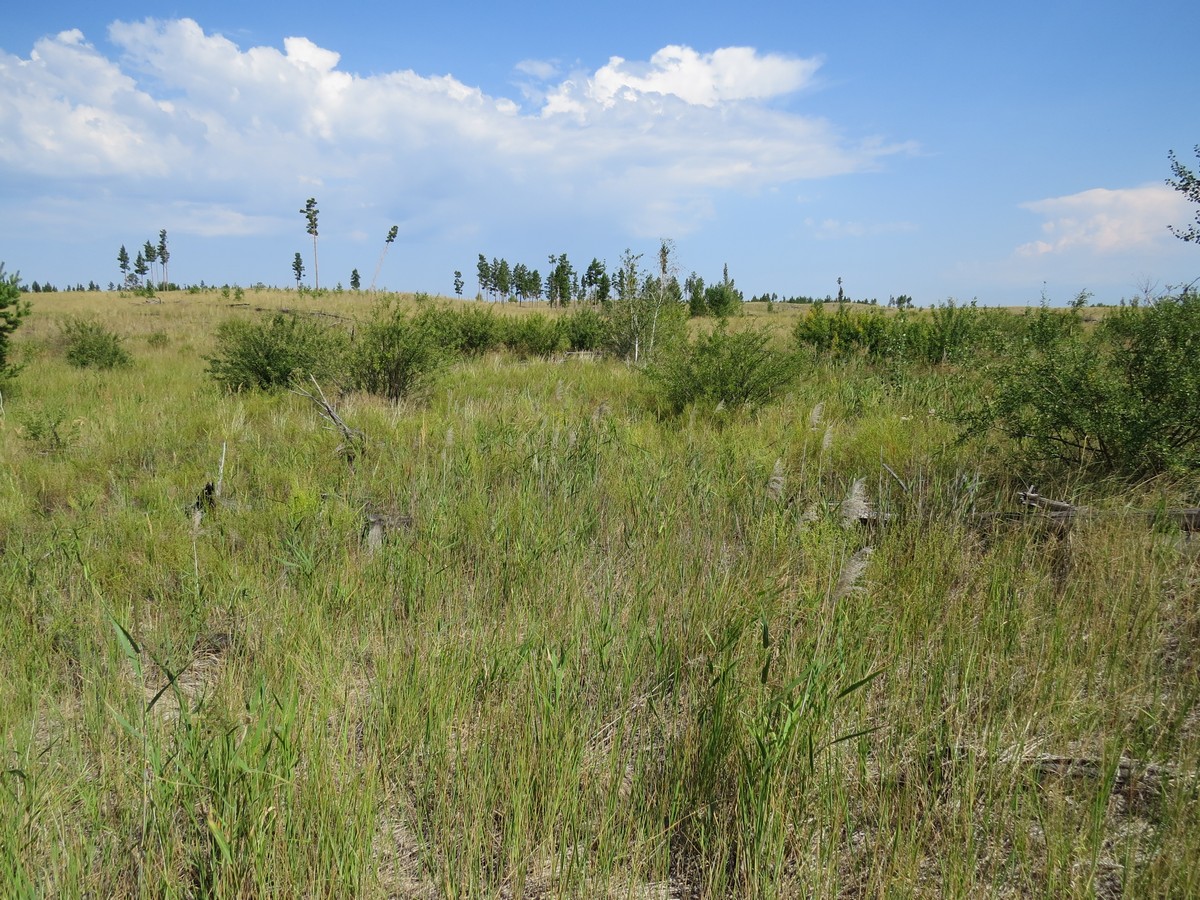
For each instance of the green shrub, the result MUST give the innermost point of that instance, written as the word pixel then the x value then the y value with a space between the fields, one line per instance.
pixel 953 333
pixel 1124 398
pixel 532 335
pixel 738 368
pixel 584 329
pixel 723 299
pixel 271 354
pixel 395 356
pixel 950 333
pixel 440 324
pixel 1153 353
pixel 48 429
pixel 479 331
pixel 468 331
pixel 815 330
pixel 877 333
pixel 92 346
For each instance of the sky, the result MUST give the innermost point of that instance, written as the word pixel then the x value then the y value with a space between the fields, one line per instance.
pixel 1003 153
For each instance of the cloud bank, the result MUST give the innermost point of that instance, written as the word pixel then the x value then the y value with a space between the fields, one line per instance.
pixel 185 117
pixel 1103 221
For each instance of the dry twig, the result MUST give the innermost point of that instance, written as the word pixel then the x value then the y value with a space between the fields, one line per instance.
pixel 354 443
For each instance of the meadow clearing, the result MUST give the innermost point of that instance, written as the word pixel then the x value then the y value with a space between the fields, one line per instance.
pixel 528 633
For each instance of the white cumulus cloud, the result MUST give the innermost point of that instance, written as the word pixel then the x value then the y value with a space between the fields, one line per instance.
pixel 1106 221
pixel 68 103
pixel 185 116
pixel 728 74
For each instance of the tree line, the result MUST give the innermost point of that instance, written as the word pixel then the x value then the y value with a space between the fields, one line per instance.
pixel 139 273
pixel 564 284
pixel 47 288
pixel 903 301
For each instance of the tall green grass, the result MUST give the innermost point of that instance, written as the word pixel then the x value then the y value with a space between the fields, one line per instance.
pixel 590 652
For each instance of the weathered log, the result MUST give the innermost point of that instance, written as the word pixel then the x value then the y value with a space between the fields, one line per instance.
pixel 1187 518
pixel 377 525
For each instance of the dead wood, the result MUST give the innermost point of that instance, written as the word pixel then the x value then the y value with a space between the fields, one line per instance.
pixel 1187 518
pixel 354 443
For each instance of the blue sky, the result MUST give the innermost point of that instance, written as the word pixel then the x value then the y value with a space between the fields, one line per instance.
pixel 998 152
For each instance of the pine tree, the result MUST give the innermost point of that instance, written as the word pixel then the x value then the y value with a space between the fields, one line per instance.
pixel 503 279
pixel 723 299
pixel 485 274
pixel 13 308
pixel 559 281
pixel 310 213
pixel 591 280
pixel 520 281
pixel 163 256
pixel 150 251
pixel 387 242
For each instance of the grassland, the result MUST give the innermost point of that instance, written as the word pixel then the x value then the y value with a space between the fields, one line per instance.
pixel 538 641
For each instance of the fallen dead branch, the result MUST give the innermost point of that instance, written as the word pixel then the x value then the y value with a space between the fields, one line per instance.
pixel 1127 772
pixel 354 442
pixel 1058 511
pixel 300 312
pixel 1061 515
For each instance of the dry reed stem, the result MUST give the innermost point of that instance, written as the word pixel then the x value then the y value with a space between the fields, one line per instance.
pixel 814 417
pixel 855 508
pixel 851 574
pixel 775 483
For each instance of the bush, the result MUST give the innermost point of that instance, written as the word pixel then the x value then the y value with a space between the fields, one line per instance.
pixel 954 333
pixel 532 335
pixel 271 354
pixel 878 334
pixel 736 369
pixel 395 356
pixel 1153 353
pixel 479 331
pixel 440 324
pixel 950 333
pixel 48 429
pixel 92 346
pixel 470 331
pixel 583 330
pixel 816 330
pixel 1124 398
